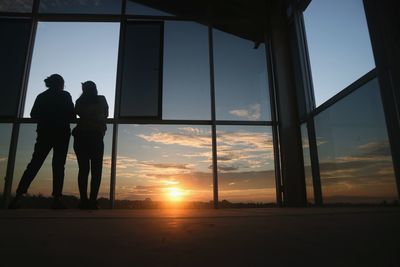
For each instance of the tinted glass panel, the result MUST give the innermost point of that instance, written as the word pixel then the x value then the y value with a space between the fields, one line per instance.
pixel 16 6
pixel 307 164
pixel 140 94
pixel 339 45
pixel 78 51
pixel 13 49
pixel 240 79
pixel 5 138
pixel 246 164
pixel 133 8
pixel 81 6
pixel 353 149
pixel 164 164
pixel 186 76
pixel 42 184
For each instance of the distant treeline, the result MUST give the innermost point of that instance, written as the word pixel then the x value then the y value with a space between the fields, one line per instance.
pixel 42 202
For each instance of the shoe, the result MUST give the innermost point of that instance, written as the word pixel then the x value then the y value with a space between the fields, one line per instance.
pixel 92 205
pixel 15 203
pixel 83 204
pixel 57 204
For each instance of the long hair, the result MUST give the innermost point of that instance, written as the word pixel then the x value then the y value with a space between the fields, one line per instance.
pixel 89 93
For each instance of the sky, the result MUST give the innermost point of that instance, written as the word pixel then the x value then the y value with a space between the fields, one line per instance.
pixel 338 44
pixel 170 162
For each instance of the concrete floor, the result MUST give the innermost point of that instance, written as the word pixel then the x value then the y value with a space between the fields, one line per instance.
pixel 241 237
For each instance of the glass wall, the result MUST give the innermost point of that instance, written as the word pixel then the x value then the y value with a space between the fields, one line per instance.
pixel 42 184
pixel 186 76
pixel 246 164
pixel 15 34
pixel 161 74
pixel 164 163
pixel 141 75
pixel 5 138
pixel 338 44
pixel 353 149
pixel 307 163
pixel 241 86
pixel 78 51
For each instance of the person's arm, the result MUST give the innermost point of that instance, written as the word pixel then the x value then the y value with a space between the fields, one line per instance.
pixel 71 109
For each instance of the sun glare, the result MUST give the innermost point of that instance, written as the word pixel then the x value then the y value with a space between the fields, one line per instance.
pixel 175 194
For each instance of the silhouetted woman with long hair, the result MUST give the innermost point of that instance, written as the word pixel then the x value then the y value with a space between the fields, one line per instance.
pixel 88 142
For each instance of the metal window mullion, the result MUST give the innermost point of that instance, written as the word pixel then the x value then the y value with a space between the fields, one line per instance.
pixel 213 118
pixel 275 123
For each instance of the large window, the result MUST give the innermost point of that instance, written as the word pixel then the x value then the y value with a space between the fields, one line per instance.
pixel 241 87
pixel 15 36
pixel 307 164
pixel 42 184
pixel 186 77
pixel 5 137
pixel 141 75
pixel 245 164
pixel 353 149
pixel 338 43
pixel 164 163
pixel 78 51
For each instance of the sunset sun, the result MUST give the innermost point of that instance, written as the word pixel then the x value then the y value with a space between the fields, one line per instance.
pixel 175 194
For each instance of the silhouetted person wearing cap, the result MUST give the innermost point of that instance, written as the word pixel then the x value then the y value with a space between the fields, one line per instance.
pixel 88 141
pixel 53 110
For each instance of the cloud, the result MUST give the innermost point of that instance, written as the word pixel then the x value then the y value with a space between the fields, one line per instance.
pixel 252 112
pixel 186 136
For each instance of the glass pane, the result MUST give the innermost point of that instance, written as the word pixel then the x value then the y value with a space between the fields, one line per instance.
pixel 307 164
pixel 133 8
pixel 241 85
pixel 353 149
pixel 42 184
pixel 186 75
pixel 15 36
pixel 81 6
pixel 5 138
pixel 163 164
pixel 339 45
pixel 140 93
pixel 246 164
pixel 78 51
pixel 16 6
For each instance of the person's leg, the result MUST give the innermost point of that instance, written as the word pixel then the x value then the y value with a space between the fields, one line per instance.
pixel 97 151
pixel 42 148
pixel 60 150
pixel 81 151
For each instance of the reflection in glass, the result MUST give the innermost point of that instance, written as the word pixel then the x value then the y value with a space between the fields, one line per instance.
pixel 353 149
pixel 186 75
pixel 164 163
pixel 78 51
pixel 245 164
pixel 42 184
pixel 338 44
pixel 241 86
pixel 140 92
pixel 134 8
pixel 5 138
pixel 81 6
pixel 16 6
pixel 307 164
pixel 14 36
